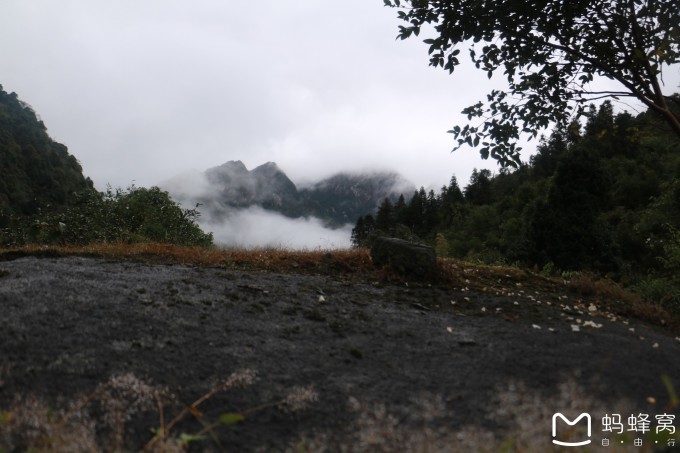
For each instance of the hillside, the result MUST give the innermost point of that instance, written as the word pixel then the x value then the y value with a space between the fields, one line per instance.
pixel 44 197
pixel 37 172
pixel 603 196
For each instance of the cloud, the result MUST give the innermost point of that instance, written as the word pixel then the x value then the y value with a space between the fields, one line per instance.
pixel 255 227
pixel 142 91
pixel 252 227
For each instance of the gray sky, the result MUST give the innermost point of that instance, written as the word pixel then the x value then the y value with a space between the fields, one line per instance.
pixel 141 90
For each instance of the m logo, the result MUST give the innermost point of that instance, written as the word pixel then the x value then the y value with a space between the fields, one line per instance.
pixel 570 423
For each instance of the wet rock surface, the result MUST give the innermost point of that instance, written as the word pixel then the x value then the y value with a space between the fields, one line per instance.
pixel 69 324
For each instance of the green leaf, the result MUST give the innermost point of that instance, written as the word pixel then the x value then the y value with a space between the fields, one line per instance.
pixel 231 419
pixel 186 439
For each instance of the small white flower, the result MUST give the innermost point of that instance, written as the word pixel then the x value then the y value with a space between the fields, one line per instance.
pixel 655 345
pixel 449 329
pixel 575 328
pixel 592 308
pixel 536 326
pixel 322 299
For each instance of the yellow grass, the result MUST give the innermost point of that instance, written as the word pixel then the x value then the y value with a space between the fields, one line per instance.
pixel 270 259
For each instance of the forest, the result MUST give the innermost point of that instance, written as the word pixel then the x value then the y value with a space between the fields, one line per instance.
pixel 600 196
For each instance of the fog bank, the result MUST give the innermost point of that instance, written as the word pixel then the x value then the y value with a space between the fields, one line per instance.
pixel 256 227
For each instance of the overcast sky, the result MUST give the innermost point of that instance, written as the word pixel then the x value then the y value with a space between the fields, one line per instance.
pixel 141 90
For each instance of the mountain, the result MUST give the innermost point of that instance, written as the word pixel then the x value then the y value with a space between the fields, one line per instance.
pixel 266 185
pixel 337 200
pixel 38 173
pixel 344 197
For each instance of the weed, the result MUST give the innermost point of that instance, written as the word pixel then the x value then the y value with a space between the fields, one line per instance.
pixel 31 425
pixel 660 291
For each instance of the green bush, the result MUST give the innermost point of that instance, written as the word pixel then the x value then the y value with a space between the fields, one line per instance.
pixel 132 215
pixel 660 291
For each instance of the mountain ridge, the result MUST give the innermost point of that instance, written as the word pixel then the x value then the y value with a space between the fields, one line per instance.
pixel 337 200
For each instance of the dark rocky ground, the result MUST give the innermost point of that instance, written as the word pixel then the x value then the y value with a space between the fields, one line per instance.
pixel 395 367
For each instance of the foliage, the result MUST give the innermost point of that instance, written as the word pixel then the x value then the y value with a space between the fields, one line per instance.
pixel 603 196
pixel 549 51
pixel 133 215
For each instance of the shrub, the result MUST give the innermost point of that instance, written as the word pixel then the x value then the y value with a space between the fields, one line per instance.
pixel 132 215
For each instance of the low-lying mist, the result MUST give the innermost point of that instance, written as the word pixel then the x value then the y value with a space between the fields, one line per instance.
pixel 255 227
pixel 262 207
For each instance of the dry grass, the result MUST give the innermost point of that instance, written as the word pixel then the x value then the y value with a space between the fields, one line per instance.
pixel 336 262
pixel 268 259
pixel 31 425
pixel 618 300
pixel 518 421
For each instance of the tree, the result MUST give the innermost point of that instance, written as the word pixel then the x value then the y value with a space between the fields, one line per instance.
pixel 358 233
pixel 550 52
pixel 479 189
pixel 385 218
pixel 362 231
pixel 567 228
